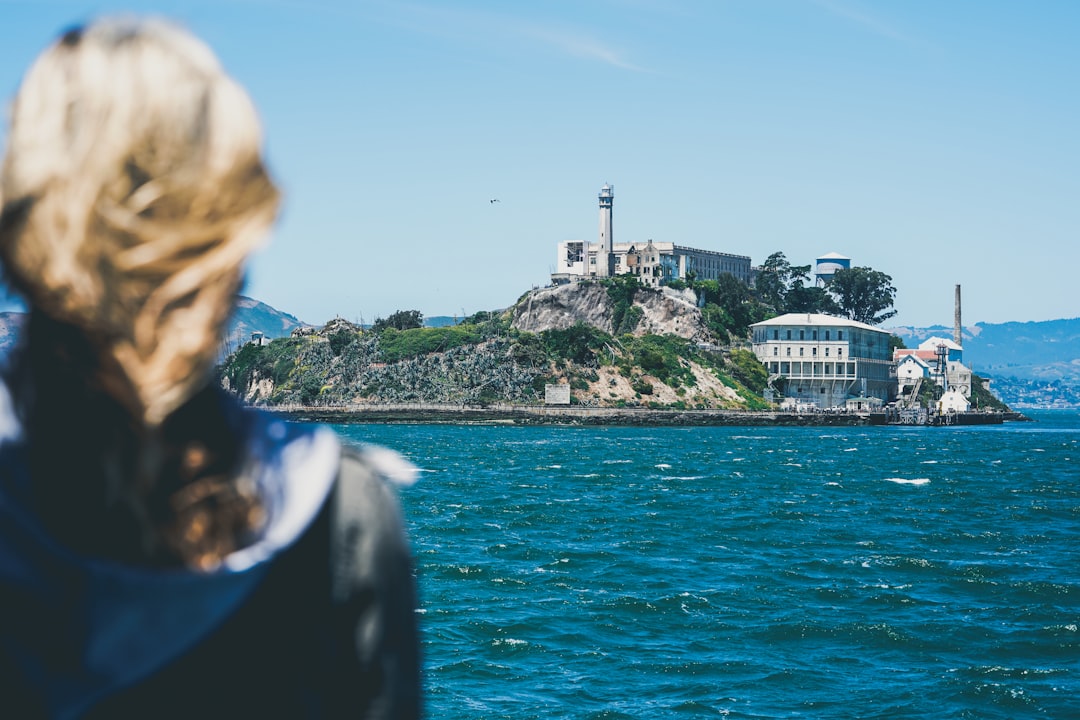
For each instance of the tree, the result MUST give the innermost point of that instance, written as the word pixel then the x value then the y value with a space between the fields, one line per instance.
pixel 863 294
pixel 727 300
pixel 777 278
pixel 400 320
pixel 806 299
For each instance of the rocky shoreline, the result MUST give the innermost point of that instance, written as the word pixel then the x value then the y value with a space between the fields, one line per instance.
pixel 428 413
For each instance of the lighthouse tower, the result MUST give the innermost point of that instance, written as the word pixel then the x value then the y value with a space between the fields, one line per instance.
pixel 605 265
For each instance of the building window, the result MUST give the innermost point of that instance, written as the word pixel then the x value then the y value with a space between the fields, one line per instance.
pixel 826 334
pixel 815 334
pixel 776 351
pixel 789 352
pixel 775 334
pixel 839 352
pixel 826 352
pixel 802 334
pixel 839 334
pixel 814 353
pixel 788 334
pixel 801 351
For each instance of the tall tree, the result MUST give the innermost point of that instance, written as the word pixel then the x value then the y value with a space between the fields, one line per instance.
pixel 810 299
pixel 777 278
pixel 400 320
pixel 863 294
pixel 731 298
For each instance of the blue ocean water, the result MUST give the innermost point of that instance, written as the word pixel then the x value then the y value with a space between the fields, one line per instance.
pixel 884 572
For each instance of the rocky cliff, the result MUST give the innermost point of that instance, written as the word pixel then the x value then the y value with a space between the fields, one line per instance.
pixel 660 311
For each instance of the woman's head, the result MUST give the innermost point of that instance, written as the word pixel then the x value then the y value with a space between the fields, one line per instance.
pixel 133 189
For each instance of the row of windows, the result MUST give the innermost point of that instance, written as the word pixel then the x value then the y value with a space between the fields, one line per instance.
pixel 762 334
pixel 813 369
pixel 802 351
pixel 802 334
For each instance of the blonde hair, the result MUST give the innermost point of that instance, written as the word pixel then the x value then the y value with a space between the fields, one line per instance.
pixel 133 190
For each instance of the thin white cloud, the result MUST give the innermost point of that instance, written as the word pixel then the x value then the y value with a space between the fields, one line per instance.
pixel 580 46
pixel 849 12
pixel 477 26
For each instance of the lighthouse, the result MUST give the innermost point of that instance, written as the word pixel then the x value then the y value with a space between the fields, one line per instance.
pixel 605 266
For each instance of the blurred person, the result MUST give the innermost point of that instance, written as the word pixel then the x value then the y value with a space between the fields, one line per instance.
pixel 165 552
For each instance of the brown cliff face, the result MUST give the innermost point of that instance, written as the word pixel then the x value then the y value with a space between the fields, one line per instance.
pixel 663 311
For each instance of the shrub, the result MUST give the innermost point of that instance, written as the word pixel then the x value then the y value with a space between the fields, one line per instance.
pixel 400 320
pixel 662 357
pixel 579 343
pixel 341 340
pixel 748 370
pixel 396 345
pixel 625 316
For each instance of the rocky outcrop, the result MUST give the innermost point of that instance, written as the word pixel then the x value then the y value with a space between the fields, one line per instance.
pixel 663 311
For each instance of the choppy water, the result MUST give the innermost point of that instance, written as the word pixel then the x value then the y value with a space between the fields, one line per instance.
pixel 747 572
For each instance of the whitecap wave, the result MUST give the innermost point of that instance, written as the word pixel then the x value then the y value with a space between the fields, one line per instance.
pixel 908 481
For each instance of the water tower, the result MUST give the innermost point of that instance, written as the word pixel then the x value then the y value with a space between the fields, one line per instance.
pixel 827 265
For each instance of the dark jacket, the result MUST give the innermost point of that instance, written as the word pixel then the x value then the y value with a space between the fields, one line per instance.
pixel 315 621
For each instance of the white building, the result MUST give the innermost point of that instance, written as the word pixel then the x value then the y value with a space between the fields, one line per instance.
pixel 944 364
pixel 953 401
pixel 653 263
pixel 825 360
pixel 910 369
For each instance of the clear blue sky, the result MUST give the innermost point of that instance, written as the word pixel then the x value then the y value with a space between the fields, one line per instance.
pixel 938 142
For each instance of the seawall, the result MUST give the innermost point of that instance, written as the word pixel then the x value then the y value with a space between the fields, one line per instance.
pixel 574 415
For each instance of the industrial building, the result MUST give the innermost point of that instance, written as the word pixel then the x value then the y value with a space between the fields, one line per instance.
pixel 653 263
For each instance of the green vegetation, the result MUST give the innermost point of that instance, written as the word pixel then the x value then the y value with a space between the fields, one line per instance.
pixel 983 399
pixel 400 320
pixel 580 344
pixel 749 371
pixel 863 294
pixel 397 345
pixel 625 316
pixel 664 357
pixel 860 293
pixel 274 361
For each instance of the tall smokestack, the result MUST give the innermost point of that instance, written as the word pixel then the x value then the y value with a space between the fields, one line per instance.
pixel 956 320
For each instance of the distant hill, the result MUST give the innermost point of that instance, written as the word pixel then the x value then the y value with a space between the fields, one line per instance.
pixel 441 321
pixel 250 316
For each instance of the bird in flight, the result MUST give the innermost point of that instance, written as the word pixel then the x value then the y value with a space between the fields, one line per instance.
pixel 494 200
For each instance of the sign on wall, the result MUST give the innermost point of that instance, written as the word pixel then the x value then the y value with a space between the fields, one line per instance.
pixel 557 394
